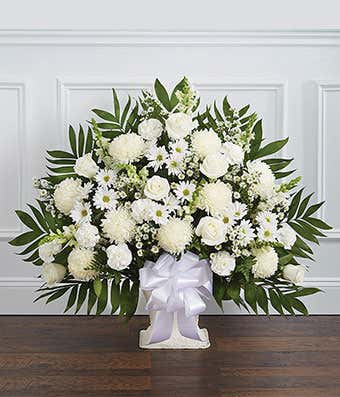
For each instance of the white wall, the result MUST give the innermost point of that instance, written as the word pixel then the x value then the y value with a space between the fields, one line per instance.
pixel 60 59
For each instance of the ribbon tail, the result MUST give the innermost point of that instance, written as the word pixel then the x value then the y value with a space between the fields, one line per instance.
pixel 188 326
pixel 161 328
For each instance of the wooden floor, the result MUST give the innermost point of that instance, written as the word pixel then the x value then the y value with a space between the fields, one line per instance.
pixel 249 357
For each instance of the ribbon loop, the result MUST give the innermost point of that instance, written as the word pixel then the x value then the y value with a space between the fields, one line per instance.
pixel 176 286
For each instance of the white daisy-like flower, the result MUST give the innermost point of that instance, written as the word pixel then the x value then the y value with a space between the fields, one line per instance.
pixel 267 219
pixel 105 199
pixel 86 190
pixel 239 210
pixel 245 233
pixel 185 190
pixel 171 202
pixel 227 217
pixel 179 149
pixel 174 166
pixel 157 156
pixel 81 212
pixel 267 233
pixel 105 178
pixel 159 213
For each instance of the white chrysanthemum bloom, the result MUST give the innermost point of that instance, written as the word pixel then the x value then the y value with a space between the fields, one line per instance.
pixel 157 188
pixel 150 129
pixel 157 156
pixel 239 210
pixel 175 235
pixel 174 165
pixel 234 153
pixel 267 219
pixel 48 250
pixel 106 178
pixel 222 263
pixel 211 230
pixel 81 212
pixel 119 256
pixel 179 125
pixel 118 225
pixel 294 273
pixel 87 235
pixel 67 192
pixel 287 236
pixel 184 191
pixel 266 262
pixel 159 213
pixel 52 273
pixel 205 142
pixel 266 180
pixel 140 210
pixel 86 166
pixel 179 149
pixel 267 233
pixel 245 232
pixel 215 198
pixel 127 148
pixel 105 199
pixel 79 264
pixel 214 165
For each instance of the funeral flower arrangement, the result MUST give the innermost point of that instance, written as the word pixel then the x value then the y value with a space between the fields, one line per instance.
pixel 161 176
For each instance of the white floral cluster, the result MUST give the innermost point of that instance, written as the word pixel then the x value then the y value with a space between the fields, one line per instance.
pixel 171 186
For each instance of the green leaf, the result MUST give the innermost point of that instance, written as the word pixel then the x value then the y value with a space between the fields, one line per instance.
pixel 124 297
pixel 58 294
pixel 104 115
pixel 126 110
pixel 60 154
pixel 312 209
pixel 299 306
pixel 92 299
pixel 27 220
pixel 133 300
pixel 97 286
pixel 250 295
pixel 257 131
pixel 262 299
pixel 62 170
pixel 243 111
pixel 116 104
pixel 102 299
pixel 304 292
pixel 25 238
pixel 115 297
pixel 279 175
pixel 303 232
pixel 72 298
pixel 310 228
pixel 81 141
pixel 233 289
pixel 226 107
pixel 294 204
pixel 73 140
pixel 62 161
pixel 302 245
pixel 271 148
pixel 178 87
pixel 275 301
pixel 284 260
pixel 30 248
pixel 318 223
pixel 162 95
pixel 89 141
pixel 82 296
pixel 303 205
pixel 219 288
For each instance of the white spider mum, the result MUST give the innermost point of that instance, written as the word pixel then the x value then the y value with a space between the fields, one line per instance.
pixel 157 157
pixel 245 233
pixel 105 199
pixel 239 210
pixel 81 212
pixel 105 178
pixel 185 190
pixel 159 213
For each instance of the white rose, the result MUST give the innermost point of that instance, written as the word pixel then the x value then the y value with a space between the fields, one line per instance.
pixel 287 236
pixel 175 235
pixel 265 178
pixel 179 125
pixel 215 198
pixel 140 210
pixel 295 274
pixel 79 264
pixel 119 256
pixel 156 188
pixel 66 194
pixel 48 250
pixel 211 230
pixel 266 262
pixel 234 153
pixel 52 273
pixel 214 165
pixel 150 129
pixel 118 225
pixel 205 142
pixel 222 263
pixel 87 235
pixel 86 166
pixel 127 148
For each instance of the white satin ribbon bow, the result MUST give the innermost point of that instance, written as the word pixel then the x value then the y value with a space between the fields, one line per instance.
pixel 176 286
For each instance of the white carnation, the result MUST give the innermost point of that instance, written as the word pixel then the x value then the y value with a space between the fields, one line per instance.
pixel 48 250
pixel 205 142
pixel 215 198
pixel 157 188
pixel 127 148
pixel 87 235
pixel 86 166
pixel 150 129
pixel 234 153
pixel 52 273
pixel 118 225
pixel 140 210
pixel 119 256
pixel 266 180
pixel 287 236
pixel 179 125
pixel 266 262
pixel 79 264
pixel 214 165
pixel 222 263
pixel 175 235
pixel 66 194
pixel 211 230
pixel 294 273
